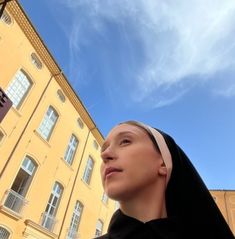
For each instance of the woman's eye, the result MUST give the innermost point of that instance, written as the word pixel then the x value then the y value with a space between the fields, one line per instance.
pixel 125 141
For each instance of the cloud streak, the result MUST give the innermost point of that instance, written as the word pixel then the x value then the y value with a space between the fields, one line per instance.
pixel 178 40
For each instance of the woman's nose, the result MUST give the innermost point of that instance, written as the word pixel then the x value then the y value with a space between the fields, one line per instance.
pixel 108 154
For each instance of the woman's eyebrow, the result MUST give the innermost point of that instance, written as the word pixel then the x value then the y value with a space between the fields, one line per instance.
pixel 120 134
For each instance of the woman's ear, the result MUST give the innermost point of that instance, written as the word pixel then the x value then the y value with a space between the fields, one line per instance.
pixel 162 170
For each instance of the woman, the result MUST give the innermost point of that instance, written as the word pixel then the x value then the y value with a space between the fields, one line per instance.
pixel 160 193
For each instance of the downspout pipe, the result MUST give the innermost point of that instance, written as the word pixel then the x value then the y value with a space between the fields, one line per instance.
pixel 74 183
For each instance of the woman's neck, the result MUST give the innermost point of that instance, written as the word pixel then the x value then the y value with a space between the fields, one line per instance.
pixel 146 206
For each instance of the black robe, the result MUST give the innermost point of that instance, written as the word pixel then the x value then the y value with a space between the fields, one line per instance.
pixel 191 210
pixel 125 227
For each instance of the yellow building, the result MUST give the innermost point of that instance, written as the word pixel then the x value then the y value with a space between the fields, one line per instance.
pixel 225 199
pixel 49 145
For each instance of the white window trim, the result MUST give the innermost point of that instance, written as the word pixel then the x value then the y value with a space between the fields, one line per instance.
pixel 76 219
pixel 47 124
pixel 7 229
pixel 88 170
pixel 71 149
pixel 18 91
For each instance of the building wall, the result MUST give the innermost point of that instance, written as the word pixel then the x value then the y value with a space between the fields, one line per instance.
pixel 21 138
pixel 225 200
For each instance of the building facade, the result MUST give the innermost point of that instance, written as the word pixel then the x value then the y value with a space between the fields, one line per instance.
pixel 49 145
pixel 225 200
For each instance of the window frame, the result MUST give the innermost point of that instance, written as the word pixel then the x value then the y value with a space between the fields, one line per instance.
pixel 76 219
pixel 15 198
pixel 30 174
pixel 5 17
pixel 46 126
pixel 17 97
pixel 105 198
pixel 98 230
pixel 52 206
pixel 35 60
pixel 87 174
pixel 71 149
pixel 6 230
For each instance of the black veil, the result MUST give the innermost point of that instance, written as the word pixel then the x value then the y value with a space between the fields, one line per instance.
pixel 189 200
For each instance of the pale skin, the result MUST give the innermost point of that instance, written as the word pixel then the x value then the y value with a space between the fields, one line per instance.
pixel 133 173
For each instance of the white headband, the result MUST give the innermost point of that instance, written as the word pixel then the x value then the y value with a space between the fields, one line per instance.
pixel 164 150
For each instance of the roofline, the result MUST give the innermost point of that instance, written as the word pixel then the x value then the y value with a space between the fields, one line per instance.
pixel 20 16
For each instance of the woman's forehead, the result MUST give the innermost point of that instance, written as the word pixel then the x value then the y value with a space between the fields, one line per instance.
pixel 125 128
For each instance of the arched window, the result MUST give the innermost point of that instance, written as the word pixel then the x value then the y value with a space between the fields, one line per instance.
pixel 6 18
pixel 80 123
pixel 19 88
pixel 105 198
pixel 71 149
pixel 61 95
pixel 88 170
pixel 48 220
pixel 36 61
pixel 76 218
pixel 15 199
pixel 4 233
pixel 48 123
pixel 95 144
pixel 99 228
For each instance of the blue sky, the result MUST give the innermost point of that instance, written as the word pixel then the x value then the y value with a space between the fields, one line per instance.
pixel 170 64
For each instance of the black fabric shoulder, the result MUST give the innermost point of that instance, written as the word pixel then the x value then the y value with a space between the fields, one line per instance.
pixel 188 199
pixel 125 227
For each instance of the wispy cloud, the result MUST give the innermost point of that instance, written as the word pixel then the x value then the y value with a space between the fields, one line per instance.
pixel 227 92
pixel 177 40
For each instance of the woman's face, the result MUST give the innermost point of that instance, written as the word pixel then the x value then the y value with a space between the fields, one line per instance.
pixel 130 162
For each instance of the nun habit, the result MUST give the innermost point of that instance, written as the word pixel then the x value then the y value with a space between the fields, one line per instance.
pixel 191 210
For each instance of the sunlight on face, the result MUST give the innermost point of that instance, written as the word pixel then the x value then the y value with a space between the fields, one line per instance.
pixel 130 162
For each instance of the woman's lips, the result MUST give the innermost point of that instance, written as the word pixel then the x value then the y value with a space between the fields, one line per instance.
pixel 110 171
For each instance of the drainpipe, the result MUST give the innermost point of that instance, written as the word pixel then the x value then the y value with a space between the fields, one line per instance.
pixel 26 125
pixel 74 183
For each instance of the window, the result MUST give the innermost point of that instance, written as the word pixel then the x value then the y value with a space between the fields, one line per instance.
pixel 80 123
pixel 48 220
pixel 95 144
pixel 15 199
pixel 18 88
pixel 77 213
pixel 48 123
pixel 99 228
pixel 105 198
pixel 35 60
pixel 71 149
pixel 7 19
pixel 88 170
pixel 4 234
pixel 61 95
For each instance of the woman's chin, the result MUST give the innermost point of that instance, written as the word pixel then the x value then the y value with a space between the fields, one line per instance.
pixel 114 193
